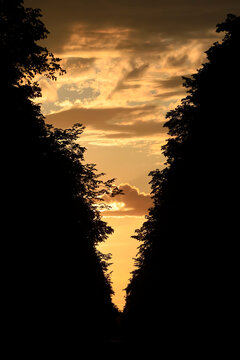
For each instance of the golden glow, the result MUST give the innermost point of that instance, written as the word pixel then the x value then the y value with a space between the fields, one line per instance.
pixel 116 206
pixel 123 249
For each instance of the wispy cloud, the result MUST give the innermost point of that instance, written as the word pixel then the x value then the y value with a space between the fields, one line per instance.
pixel 128 80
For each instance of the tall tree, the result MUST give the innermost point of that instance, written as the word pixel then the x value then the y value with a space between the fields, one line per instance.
pixel 183 291
pixel 57 288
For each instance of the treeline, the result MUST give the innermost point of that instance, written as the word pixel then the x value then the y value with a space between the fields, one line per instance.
pixel 57 290
pixel 183 292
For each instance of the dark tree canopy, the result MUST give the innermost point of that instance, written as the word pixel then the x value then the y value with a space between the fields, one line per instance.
pixel 183 291
pixel 58 290
pixel 24 58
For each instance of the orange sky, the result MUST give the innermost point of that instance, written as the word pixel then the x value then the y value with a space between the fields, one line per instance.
pixel 124 62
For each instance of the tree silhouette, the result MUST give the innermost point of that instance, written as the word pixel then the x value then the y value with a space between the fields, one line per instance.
pixel 183 291
pixel 57 288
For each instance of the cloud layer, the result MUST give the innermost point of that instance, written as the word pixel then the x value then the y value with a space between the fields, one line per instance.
pixel 127 53
pixel 125 60
pixel 112 123
pixel 141 20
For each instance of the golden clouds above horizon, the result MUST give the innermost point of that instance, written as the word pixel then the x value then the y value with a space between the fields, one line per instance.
pixel 131 203
pixel 120 54
pixel 113 123
pixel 125 61
pixel 107 80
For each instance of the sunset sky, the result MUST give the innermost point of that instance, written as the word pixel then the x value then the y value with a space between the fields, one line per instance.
pixel 124 61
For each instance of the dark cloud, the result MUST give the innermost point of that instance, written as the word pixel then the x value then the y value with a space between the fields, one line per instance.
pixel 125 83
pixel 94 117
pixel 171 19
pixel 172 82
pixel 171 94
pixel 114 121
pixel 173 85
pixel 135 202
pixel 121 85
pixel 177 61
pixel 137 72
pixel 139 43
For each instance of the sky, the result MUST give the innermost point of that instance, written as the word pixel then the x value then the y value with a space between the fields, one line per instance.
pixel 124 60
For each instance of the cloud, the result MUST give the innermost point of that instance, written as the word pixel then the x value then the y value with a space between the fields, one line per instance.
pixel 86 39
pixel 138 129
pixel 73 93
pixel 177 61
pixel 137 72
pixel 125 86
pixel 126 46
pixel 172 19
pixel 114 122
pixel 120 54
pixel 171 94
pixel 95 117
pixel 173 85
pixel 172 82
pixel 78 64
pixel 139 44
pixel 131 203
pixel 125 83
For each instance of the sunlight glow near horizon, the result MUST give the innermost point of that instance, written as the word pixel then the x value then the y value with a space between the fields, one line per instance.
pixel 123 249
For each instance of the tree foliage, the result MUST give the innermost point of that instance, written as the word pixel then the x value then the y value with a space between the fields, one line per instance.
pixel 57 283
pixel 185 279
